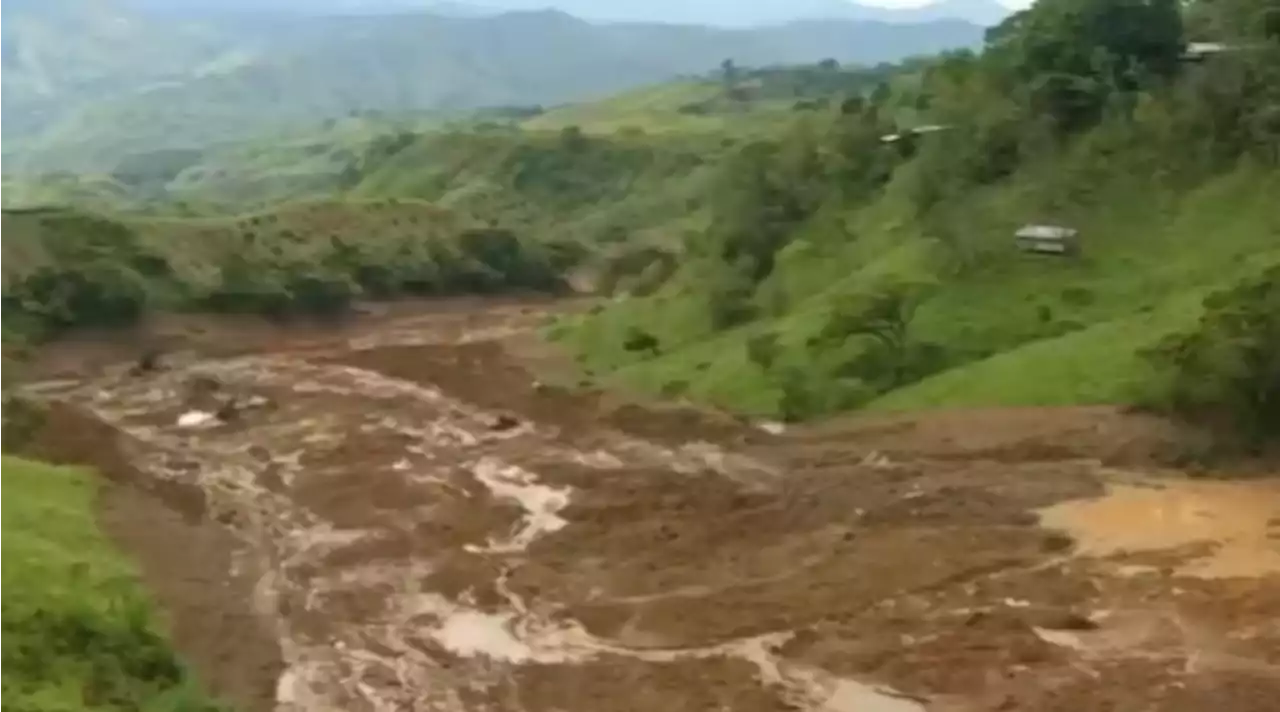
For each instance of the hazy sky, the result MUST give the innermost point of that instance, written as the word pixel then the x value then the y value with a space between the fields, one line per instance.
pixel 917 3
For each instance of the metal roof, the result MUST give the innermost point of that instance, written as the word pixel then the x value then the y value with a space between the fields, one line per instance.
pixel 927 128
pixel 1046 232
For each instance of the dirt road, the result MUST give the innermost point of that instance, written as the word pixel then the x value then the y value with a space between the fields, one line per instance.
pixel 400 517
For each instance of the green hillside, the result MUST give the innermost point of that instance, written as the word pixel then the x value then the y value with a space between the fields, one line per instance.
pixel 66 268
pixel 90 83
pixel 787 241
pixel 78 630
pixel 767 251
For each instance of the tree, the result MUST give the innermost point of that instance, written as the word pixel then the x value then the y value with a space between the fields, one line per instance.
pixel 1228 368
pixel 1070 54
pixel 728 73
pixel 1214 20
pixel 883 318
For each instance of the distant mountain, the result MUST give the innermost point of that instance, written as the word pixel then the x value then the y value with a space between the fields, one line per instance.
pixel 86 81
pixel 205 8
pixel 757 13
pixel 715 13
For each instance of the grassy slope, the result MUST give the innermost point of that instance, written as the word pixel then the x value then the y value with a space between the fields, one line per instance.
pixel 1150 256
pixel 294 232
pixel 77 631
pixel 65 268
pixel 295 164
pixel 194 244
pixel 634 187
pixel 1148 282
pixel 615 194
pixel 656 109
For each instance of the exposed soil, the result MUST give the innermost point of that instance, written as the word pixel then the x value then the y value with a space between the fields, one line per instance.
pixel 422 525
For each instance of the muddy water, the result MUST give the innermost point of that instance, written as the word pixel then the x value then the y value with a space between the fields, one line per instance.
pixel 1228 529
pixel 415 553
pixel 383 519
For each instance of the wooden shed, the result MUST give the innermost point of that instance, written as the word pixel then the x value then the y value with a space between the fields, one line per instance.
pixel 1047 239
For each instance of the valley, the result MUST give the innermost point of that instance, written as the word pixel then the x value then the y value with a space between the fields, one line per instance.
pixel 469 358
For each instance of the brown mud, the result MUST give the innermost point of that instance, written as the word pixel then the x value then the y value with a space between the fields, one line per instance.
pixel 404 518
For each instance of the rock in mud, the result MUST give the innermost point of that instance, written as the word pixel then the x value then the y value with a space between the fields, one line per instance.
pixel 229 411
pixel 1055 542
pixel 148 362
pixel 1065 620
pixel 503 422
pixel 203 385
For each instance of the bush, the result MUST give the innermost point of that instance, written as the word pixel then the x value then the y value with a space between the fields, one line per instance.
pixel 1227 369
pixel 78 631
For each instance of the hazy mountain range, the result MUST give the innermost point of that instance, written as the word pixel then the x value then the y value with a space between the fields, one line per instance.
pixel 84 79
pixel 716 13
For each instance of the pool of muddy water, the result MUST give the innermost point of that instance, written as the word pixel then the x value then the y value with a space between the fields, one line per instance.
pixel 1235 526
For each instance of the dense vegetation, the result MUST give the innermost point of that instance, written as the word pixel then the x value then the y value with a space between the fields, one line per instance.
pixel 65 268
pixel 88 84
pixel 838 272
pixel 768 250
pixel 78 632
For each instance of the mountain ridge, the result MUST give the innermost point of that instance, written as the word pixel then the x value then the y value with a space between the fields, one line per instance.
pixel 131 82
pixel 716 13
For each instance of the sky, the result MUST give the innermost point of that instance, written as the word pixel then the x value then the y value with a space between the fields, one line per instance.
pixel 1016 4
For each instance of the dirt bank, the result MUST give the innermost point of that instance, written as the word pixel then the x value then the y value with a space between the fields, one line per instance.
pixel 188 560
pixel 428 527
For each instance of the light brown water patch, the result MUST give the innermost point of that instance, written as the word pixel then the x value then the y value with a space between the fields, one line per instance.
pixel 1232 526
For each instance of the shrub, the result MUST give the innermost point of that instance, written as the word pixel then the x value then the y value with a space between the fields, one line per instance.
pixel 1227 369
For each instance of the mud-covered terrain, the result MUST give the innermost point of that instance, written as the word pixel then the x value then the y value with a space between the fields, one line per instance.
pixel 400 516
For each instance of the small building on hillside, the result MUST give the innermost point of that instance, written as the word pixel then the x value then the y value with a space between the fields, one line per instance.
pixel 1200 51
pixel 1047 239
pixel 912 133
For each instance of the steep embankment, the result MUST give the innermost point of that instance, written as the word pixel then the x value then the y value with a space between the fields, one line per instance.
pixel 79 632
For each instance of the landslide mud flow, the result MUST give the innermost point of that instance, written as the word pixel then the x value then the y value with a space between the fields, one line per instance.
pixel 429 528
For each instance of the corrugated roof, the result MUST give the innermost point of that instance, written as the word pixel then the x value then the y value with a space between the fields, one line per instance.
pixel 1046 232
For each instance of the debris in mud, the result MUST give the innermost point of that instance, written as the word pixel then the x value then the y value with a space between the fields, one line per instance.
pixel 772 427
pixel 228 411
pixel 203 385
pixel 148 362
pixel 1055 542
pixel 503 422
pixel 876 459
pixel 1068 621
pixel 195 418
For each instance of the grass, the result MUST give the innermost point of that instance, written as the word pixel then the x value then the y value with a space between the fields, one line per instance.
pixel 65 268
pixel 657 109
pixel 1019 330
pixel 79 634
